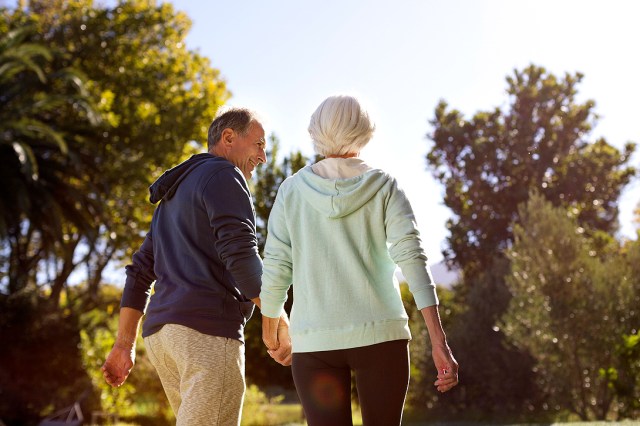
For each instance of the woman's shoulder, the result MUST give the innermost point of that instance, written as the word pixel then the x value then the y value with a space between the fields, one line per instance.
pixel 290 181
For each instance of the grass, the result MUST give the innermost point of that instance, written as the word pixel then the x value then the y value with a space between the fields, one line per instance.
pixel 273 414
pixel 279 414
pixel 291 415
pixel 261 410
pixel 623 423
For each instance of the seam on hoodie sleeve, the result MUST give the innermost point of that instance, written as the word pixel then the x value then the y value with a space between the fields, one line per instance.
pixel 140 277
pixel 232 220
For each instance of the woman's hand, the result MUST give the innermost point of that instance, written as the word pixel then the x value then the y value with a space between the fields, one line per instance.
pixel 275 335
pixel 447 367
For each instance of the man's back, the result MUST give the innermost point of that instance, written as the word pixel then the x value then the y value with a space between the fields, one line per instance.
pixel 204 221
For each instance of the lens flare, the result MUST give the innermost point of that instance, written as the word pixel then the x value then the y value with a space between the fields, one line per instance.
pixel 327 391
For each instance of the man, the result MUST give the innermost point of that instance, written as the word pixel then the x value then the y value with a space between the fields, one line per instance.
pixel 202 253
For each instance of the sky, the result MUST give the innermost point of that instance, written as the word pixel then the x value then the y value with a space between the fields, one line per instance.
pixel 282 58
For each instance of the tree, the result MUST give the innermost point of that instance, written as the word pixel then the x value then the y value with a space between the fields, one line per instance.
pixel 574 308
pixel 41 367
pixel 267 181
pixel 156 98
pixel 496 377
pixel 626 378
pixel 489 164
pixel 44 112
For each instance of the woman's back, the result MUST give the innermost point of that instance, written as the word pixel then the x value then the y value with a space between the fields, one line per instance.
pixel 338 241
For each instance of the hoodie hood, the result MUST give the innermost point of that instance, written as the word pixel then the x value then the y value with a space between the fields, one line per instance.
pixel 166 185
pixel 336 198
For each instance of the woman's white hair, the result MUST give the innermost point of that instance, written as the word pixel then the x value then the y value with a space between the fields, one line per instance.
pixel 340 126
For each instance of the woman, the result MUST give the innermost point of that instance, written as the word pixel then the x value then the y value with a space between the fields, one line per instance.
pixel 337 231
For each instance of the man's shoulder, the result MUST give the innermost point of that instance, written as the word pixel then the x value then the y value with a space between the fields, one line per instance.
pixel 217 163
pixel 218 166
pixel 220 172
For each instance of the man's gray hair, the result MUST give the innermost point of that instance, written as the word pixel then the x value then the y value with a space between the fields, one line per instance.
pixel 340 126
pixel 238 119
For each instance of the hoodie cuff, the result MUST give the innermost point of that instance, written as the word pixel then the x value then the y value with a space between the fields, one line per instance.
pixel 420 284
pixel 250 286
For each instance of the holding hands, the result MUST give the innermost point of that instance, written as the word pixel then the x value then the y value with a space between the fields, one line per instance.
pixel 275 335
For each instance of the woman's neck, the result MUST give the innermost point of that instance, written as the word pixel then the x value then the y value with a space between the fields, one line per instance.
pixel 347 155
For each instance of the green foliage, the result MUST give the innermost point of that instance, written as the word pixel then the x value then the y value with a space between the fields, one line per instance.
pixel 44 110
pixel 574 308
pixel 55 360
pixel 156 99
pixel 97 338
pixel 267 181
pixel 86 123
pixel 489 164
pixel 261 410
pixel 626 381
pixel 141 396
pixel 41 361
pixel 496 378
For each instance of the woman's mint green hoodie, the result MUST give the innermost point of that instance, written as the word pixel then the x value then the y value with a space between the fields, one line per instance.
pixel 337 241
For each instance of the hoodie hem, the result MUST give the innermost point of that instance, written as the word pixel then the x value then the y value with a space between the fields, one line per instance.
pixel 356 336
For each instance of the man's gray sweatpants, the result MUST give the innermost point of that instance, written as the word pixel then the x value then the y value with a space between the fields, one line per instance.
pixel 202 375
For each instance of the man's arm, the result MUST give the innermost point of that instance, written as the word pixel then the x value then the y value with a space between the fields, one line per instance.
pixel 122 357
pixel 137 288
pixel 232 221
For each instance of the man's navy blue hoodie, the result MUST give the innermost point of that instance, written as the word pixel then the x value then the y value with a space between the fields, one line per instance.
pixel 201 251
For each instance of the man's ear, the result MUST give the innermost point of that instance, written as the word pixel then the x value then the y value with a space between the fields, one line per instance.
pixel 227 136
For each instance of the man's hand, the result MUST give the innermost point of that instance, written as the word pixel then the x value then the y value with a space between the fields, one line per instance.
pixel 118 365
pixel 275 335
pixel 122 357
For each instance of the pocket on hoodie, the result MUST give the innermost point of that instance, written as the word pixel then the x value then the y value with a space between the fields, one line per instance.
pixel 246 310
pixel 236 309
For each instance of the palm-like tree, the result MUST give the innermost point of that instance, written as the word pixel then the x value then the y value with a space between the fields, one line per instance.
pixel 44 199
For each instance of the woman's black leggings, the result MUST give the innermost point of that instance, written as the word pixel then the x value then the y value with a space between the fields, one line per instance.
pixel 323 382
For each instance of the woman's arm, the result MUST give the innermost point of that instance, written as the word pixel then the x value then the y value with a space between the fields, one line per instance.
pixel 443 359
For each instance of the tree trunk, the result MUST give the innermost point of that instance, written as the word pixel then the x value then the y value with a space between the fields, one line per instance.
pixel 68 250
